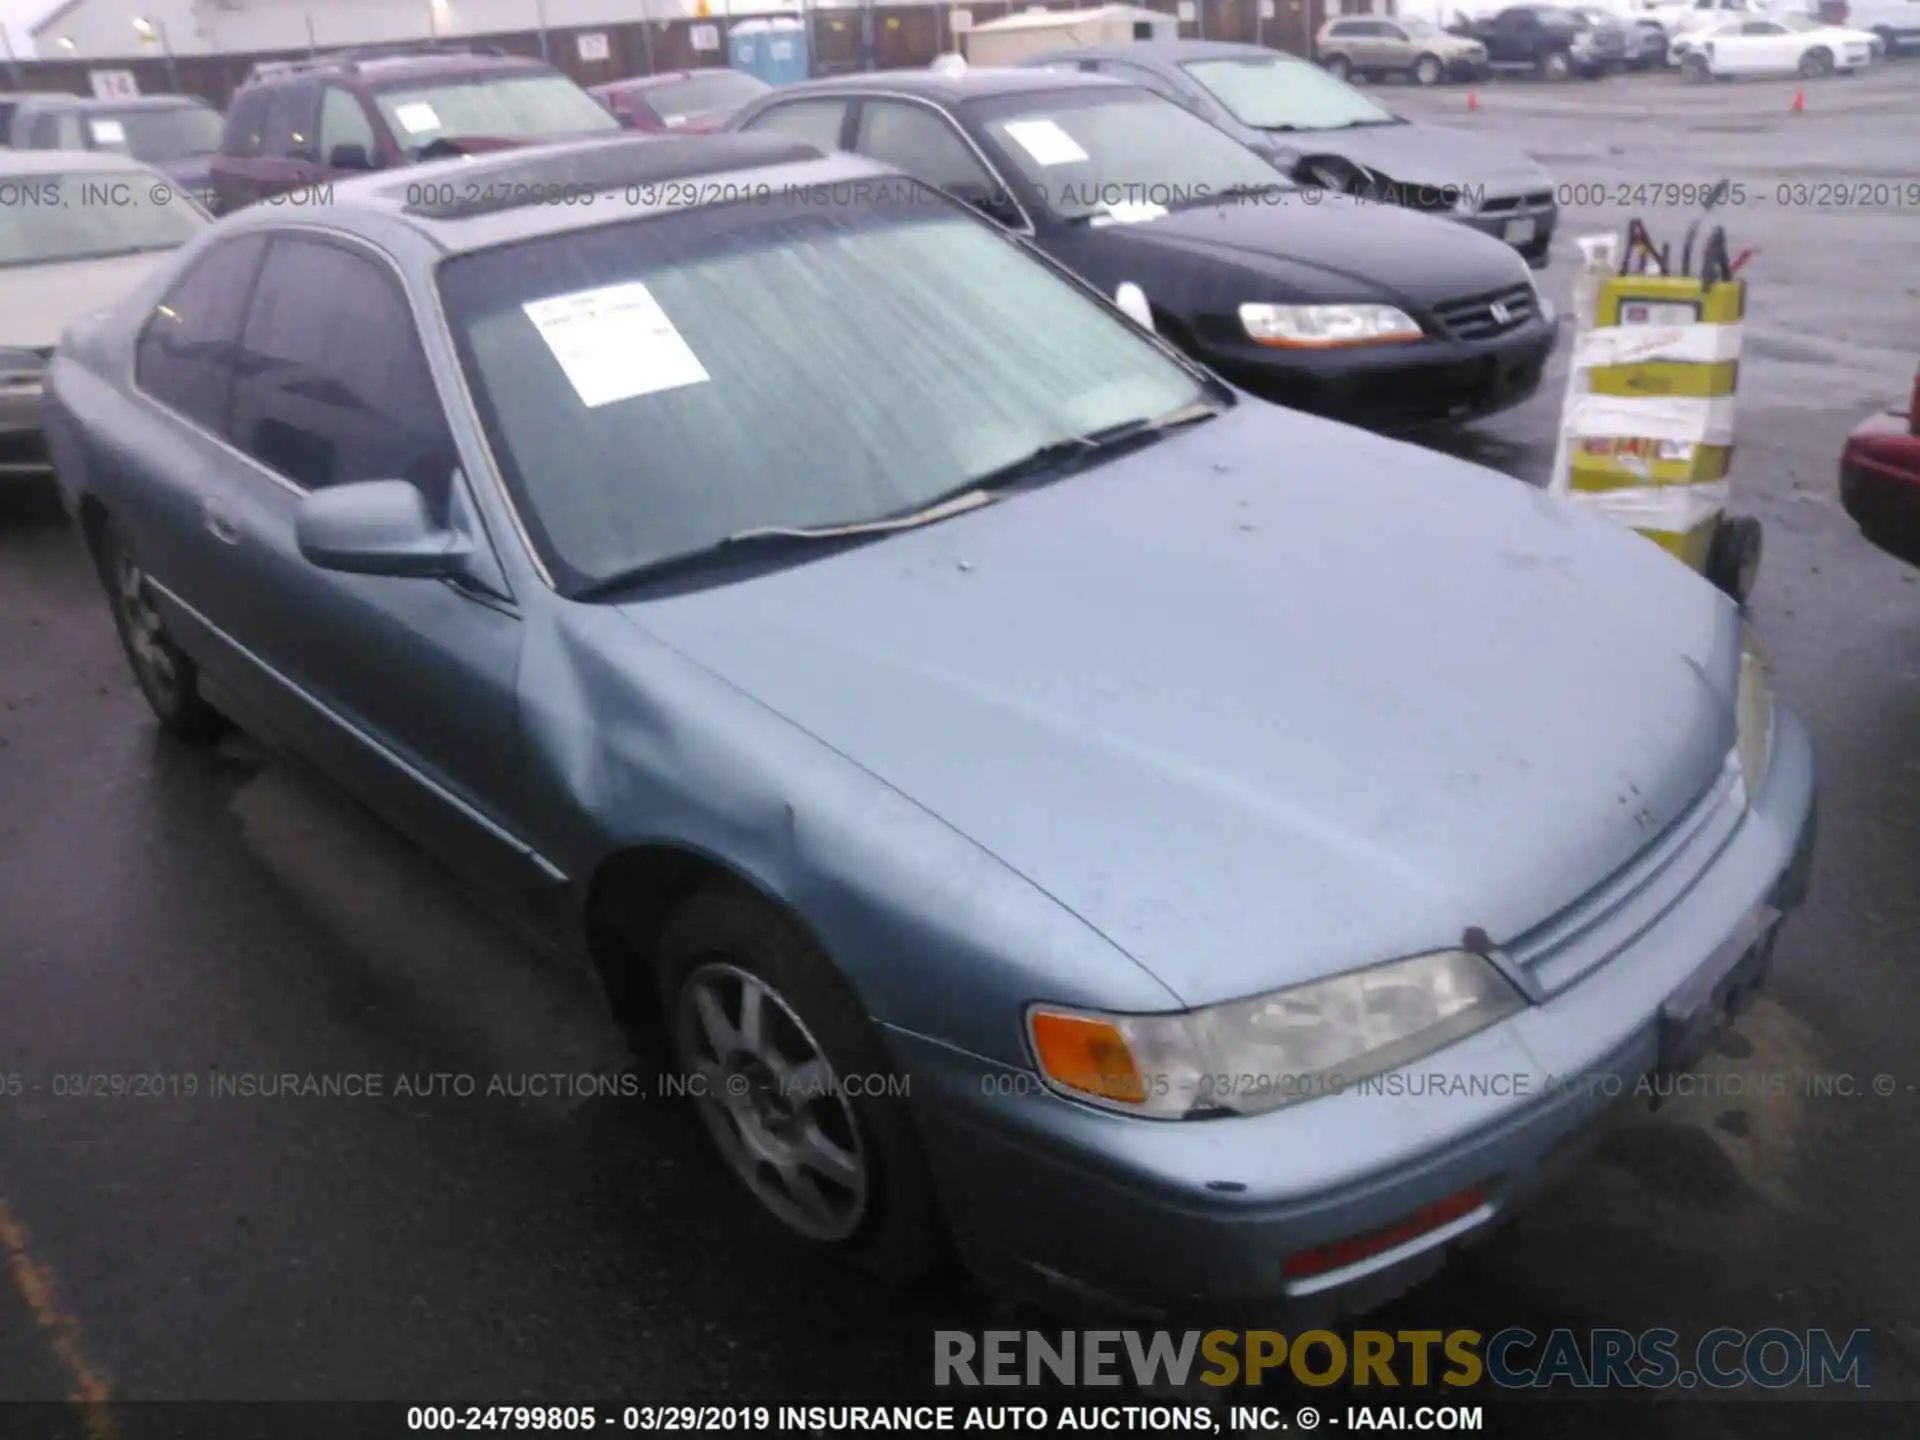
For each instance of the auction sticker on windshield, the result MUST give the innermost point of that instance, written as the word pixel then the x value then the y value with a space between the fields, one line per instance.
pixel 108 132
pixel 417 117
pixel 615 343
pixel 1046 142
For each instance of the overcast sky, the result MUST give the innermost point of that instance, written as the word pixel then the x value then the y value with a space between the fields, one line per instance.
pixel 18 15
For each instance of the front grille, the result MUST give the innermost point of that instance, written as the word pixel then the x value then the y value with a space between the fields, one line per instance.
pixel 1479 317
pixel 1533 200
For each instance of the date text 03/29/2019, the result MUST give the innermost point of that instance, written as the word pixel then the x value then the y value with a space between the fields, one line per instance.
pixel 1066 1417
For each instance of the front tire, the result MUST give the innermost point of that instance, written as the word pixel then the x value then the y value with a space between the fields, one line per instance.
pixel 1554 65
pixel 790 1066
pixel 1428 70
pixel 1339 67
pixel 1695 70
pixel 1816 64
pixel 1733 560
pixel 166 677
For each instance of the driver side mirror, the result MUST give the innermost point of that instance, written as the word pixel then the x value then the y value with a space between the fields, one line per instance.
pixel 378 527
pixel 349 157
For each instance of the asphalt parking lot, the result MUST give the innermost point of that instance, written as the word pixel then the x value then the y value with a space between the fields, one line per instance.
pixel 167 914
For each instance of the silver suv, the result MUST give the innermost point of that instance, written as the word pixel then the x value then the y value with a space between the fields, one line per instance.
pixel 1366 48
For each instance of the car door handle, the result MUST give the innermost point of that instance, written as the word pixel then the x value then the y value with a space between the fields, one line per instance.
pixel 219 522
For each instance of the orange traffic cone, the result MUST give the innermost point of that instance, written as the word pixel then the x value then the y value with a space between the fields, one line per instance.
pixel 1473 100
pixel 1799 106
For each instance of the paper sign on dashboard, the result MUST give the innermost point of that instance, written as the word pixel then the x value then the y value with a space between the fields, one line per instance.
pixel 615 343
pixel 417 118
pixel 1046 142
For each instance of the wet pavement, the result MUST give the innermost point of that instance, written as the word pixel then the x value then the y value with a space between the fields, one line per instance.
pixel 177 927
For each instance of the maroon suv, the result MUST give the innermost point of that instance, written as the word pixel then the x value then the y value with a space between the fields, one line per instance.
pixel 302 123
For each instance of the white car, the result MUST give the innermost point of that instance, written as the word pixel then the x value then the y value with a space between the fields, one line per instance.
pixel 1774 45
pixel 1686 17
pixel 1896 22
pixel 77 229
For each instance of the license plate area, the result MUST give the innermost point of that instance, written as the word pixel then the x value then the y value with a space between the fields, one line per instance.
pixel 1521 231
pixel 1696 1014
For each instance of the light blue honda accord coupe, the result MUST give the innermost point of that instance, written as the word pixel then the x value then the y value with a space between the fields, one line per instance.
pixel 1160 847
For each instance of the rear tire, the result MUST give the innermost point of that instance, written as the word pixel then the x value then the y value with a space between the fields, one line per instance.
pixel 166 677
pixel 1338 66
pixel 855 1180
pixel 1816 64
pixel 1428 70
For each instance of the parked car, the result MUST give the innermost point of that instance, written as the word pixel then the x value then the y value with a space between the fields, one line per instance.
pixel 1418 49
pixel 681 99
pixel 1007 730
pixel 297 124
pixel 1789 45
pixel 1895 22
pixel 1367 312
pixel 1547 41
pixel 176 134
pixel 1643 44
pixel 77 229
pixel 1880 478
pixel 1319 130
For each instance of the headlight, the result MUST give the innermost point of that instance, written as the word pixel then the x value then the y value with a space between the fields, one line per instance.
pixel 1325 327
pixel 1753 714
pixel 1250 1056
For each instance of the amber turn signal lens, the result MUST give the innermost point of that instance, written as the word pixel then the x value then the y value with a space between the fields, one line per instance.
pixel 1090 1056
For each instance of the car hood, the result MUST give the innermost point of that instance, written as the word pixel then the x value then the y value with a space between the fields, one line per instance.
pixel 1415 154
pixel 1270 700
pixel 1367 250
pixel 38 302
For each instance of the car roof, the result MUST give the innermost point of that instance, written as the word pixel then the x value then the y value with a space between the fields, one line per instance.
pixel 1173 52
pixel 17 163
pixel 973 83
pixel 656 174
pixel 404 66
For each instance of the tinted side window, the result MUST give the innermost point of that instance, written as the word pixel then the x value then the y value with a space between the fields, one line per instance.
pixel 290 121
pixel 812 122
pixel 185 359
pixel 343 121
pixel 921 142
pixel 334 386
pixel 246 124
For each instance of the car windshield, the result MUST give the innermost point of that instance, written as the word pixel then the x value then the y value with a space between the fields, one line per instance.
pixel 1285 94
pixel 1419 29
pixel 1799 24
pixel 701 94
pixel 510 107
pixel 655 386
pixel 1120 153
pixel 90 215
pixel 154 135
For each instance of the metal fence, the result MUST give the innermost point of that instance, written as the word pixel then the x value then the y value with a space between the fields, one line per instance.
pixel 882 37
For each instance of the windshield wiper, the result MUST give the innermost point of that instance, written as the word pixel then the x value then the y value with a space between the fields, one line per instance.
pixel 1055 458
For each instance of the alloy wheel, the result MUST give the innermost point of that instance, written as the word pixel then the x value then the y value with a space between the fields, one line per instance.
pixel 769 1096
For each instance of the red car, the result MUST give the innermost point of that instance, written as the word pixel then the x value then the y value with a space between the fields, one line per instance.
pixel 1880 479
pixel 681 99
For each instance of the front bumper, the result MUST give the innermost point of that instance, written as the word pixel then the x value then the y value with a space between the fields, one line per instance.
pixel 1524 222
pixel 1880 484
pixel 1175 1218
pixel 1396 387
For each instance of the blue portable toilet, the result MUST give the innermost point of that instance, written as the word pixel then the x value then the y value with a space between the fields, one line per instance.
pixel 774 50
